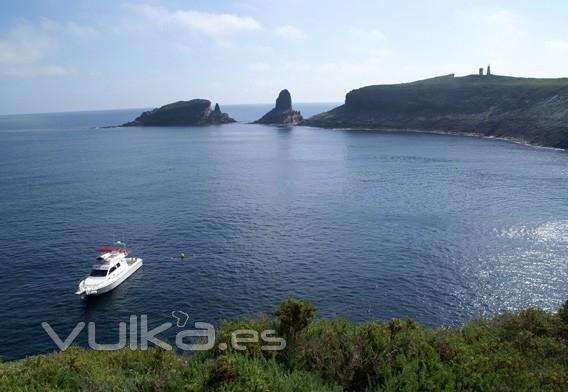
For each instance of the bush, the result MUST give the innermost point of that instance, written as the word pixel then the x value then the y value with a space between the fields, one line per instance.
pixel 292 316
pixel 563 313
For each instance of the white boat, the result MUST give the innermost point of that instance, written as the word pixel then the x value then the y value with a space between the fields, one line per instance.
pixel 114 267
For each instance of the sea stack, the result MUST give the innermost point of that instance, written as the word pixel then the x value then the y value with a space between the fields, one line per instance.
pixel 182 113
pixel 217 117
pixel 282 114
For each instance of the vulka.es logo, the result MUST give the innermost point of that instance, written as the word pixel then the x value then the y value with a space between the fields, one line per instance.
pixel 139 336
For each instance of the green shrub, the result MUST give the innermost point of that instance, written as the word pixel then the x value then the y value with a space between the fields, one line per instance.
pixel 292 316
pixel 563 312
pixel 220 371
pixel 342 352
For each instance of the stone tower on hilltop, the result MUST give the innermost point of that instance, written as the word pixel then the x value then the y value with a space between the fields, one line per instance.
pixel 488 71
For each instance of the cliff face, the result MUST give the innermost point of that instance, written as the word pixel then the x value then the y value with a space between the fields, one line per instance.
pixel 531 110
pixel 282 114
pixel 182 113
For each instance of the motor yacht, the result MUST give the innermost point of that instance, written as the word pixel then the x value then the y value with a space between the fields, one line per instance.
pixel 113 267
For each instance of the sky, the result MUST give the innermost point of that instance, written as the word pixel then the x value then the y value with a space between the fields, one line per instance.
pixel 58 55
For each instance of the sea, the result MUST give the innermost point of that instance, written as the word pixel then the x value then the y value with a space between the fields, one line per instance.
pixel 367 225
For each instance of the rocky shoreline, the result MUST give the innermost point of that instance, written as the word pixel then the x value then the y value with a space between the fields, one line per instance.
pixel 440 132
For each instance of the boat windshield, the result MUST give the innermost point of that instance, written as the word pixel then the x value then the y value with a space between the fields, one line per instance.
pixel 97 272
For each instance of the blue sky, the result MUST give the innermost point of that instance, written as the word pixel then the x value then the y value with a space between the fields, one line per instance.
pixel 82 55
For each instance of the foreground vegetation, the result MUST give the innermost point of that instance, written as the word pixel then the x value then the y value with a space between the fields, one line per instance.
pixel 523 351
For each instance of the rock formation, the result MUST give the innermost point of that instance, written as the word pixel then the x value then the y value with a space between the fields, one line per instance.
pixel 217 117
pixel 282 114
pixel 529 110
pixel 182 113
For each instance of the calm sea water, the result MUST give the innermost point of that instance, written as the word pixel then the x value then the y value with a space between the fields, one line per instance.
pixel 364 224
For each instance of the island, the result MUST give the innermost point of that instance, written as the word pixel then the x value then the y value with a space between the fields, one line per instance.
pixel 283 113
pixel 182 113
pixel 527 110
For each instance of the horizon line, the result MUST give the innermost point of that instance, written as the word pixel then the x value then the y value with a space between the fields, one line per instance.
pixel 154 107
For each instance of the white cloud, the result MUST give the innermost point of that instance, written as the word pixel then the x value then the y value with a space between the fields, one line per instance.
pixel 290 32
pixel 24 50
pixel 557 44
pixel 69 29
pixel 212 24
pixel 23 45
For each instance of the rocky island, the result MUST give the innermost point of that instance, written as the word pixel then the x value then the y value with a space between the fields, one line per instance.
pixel 283 113
pixel 528 110
pixel 182 113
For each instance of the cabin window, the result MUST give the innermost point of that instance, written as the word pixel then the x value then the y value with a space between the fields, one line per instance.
pixel 112 270
pixel 97 272
pixel 118 265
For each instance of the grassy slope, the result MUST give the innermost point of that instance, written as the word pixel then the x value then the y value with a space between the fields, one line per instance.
pixel 525 351
pixel 467 94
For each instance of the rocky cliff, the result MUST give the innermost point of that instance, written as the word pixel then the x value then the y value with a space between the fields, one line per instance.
pixel 526 109
pixel 182 113
pixel 283 113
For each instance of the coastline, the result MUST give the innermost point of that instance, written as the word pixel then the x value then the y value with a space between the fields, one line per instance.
pixel 438 132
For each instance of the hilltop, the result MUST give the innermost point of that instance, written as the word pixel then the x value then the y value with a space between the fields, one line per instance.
pixel 529 110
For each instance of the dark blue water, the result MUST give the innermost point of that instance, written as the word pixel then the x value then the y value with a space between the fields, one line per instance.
pixel 364 224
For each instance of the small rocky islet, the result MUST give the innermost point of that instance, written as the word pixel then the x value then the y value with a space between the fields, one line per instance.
pixel 182 113
pixel 528 110
pixel 283 113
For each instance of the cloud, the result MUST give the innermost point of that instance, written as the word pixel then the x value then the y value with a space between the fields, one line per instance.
pixel 23 45
pixel 69 29
pixel 557 44
pixel 212 24
pixel 23 53
pixel 26 49
pixel 290 32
